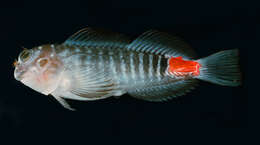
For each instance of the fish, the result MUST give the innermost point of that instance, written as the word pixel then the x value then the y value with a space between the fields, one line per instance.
pixel 94 64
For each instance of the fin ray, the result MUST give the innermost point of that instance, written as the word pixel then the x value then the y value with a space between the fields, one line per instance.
pixel 64 103
pixel 166 91
pixel 79 88
pixel 221 68
pixel 102 82
pixel 152 41
pixel 161 43
pixel 97 38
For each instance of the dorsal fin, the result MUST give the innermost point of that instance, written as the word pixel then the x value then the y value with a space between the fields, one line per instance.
pixel 152 41
pixel 97 38
pixel 161 43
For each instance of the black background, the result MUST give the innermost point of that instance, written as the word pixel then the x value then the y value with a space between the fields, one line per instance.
pixel 209 111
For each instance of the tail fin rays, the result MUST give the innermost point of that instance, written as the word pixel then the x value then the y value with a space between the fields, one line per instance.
pixel 221 68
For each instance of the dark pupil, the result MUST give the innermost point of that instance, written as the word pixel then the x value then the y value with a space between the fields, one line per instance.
pixel 25 55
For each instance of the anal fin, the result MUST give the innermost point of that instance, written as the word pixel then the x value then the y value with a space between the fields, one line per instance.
pixel 165 92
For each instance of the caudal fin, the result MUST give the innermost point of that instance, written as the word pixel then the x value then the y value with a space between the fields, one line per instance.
pixel 221 68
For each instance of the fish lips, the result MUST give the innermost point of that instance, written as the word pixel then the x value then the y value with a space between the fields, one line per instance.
pixel 18 74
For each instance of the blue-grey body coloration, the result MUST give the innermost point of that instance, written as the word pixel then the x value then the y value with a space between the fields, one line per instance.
pixel 94 65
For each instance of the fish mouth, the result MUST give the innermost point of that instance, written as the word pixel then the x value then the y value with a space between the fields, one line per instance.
pixel 18 75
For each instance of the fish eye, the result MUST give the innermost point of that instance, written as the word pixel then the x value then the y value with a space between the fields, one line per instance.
pixel 25 55
pixel 42 62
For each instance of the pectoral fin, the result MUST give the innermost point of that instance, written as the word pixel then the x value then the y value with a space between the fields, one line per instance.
pixel 92 83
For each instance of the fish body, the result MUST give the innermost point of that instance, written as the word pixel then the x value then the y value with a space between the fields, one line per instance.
pixel 92 65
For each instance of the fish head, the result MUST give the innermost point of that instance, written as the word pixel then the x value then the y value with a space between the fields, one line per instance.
pixel 39 68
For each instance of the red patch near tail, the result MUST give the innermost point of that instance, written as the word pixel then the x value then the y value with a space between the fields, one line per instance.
pixel 180 67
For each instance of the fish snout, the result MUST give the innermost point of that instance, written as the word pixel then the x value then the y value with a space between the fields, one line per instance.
pixel 18 74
